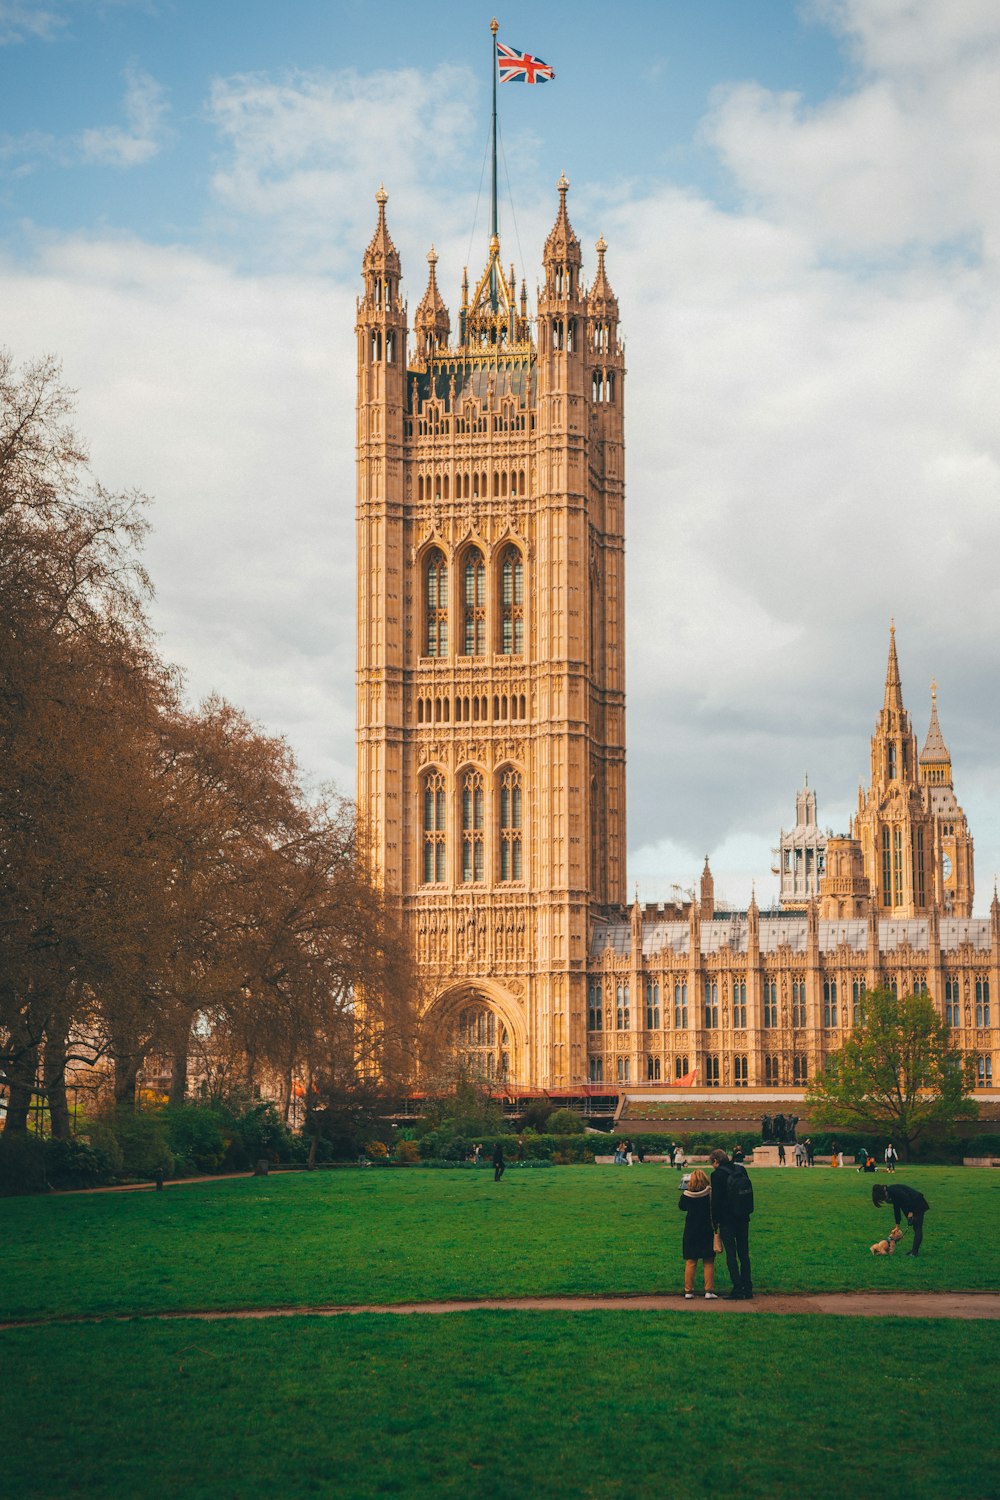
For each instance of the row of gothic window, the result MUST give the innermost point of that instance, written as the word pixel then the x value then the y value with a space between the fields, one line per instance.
pixel 894 867
pixel 482 1043
pixel 473 614
pixel 505 815
pixel 435 422
pixel 472 485
pixel 472 709
pixel 770 1018
pixel 711 1071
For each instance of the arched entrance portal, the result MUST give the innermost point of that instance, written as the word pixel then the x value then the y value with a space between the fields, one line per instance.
pixel 481 1028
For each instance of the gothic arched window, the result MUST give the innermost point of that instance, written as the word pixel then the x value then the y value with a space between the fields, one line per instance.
pixel 474 604
pixel 436 580
pixel 434 828
pixel 511 825
pixel 511 602
pixel 473 826
pixel 482 1043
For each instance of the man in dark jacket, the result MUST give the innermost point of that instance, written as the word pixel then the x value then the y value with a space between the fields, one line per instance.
pixel 734 1229
pixel 904 1200
pixel 499 1165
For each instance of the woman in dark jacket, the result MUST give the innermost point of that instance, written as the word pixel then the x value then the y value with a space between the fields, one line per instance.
pixel 698 1243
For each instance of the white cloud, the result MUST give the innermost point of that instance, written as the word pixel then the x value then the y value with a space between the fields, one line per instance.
pixel 142 135
pixel 24 20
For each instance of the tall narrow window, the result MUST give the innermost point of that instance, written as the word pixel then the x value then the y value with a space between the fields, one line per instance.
pixel 800 1069
pixel 473 827
pixel 711 1003
pixel 741 1076
pixel 918 865
pixel 829 1002
pixel 622 1007
pixel 771 1071
pixel 437 604
pixel 595 1013
pixel 952 995
pixel 858 1002
pixel 740 1003
pixel 798 1002
pixel 897 866
pixel 511 815
pixel 886 869
pixel 712 1072
pixel 474 604
pixel 511 603
pixel 652 1005
pixel 434 828
pixel 770 1002
pixel 681 1007
pixel 681 1069
pixel 982 1001
pixel 984 1072
pixel 597 1070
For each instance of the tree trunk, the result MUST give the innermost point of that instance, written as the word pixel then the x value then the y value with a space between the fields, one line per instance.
pixel 179 1074
pixel 54 1077
pixel 126 1077
pixel 22 1088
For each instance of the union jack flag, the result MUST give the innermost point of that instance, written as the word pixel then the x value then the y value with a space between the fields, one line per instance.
pixel 521 67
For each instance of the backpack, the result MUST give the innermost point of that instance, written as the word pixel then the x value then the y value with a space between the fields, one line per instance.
pixel 739 1192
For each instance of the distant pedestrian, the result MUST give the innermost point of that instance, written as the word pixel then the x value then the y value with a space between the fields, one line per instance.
pixel 628 1152
pixel 520 1148
pixel 890 1158
pixel 904 1200
pixel 698 1242
pixel 781 1153
pixel 809 1151
pixel 499 1165
pixel 834 1155
pixel 640 1152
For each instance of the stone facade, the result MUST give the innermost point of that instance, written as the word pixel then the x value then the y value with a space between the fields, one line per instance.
pixel 491 733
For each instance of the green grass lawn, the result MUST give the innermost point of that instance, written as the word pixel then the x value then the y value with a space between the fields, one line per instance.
pixel 392 1236
pixel 503 1406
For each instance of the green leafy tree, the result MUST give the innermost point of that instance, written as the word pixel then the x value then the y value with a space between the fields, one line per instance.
pixel 896 1074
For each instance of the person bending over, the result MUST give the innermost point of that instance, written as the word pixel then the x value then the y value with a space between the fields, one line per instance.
pixel 904 1200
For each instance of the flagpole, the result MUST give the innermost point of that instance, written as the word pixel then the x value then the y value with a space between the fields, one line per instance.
pixel 494 225
pixel 494 28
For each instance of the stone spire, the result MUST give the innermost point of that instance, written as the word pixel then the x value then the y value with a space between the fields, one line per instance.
pixel 707 903
pixel 935 751
pixel 562 248
pixel 893 688
pixel 431 322
pixel 381 258
pixel 601 300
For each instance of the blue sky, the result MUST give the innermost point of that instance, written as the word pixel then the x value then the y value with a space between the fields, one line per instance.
pixel 800 203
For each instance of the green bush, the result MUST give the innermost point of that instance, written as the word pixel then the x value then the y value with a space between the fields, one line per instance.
pixel 198 1137
pixel 565 1122
pixel 22 1164
pixel 75 1164
pixel 136 1144
pixel 260 1131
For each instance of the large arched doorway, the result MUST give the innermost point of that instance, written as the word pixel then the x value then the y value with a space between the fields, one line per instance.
pixel 480 1028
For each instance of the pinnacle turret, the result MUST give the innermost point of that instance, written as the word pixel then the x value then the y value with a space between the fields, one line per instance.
pixel 562 257
pixel 381 258
pixel 431 322
pixel 601 300
pixel 893 688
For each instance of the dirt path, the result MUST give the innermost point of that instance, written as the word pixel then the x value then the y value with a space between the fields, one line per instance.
pixel 838 1304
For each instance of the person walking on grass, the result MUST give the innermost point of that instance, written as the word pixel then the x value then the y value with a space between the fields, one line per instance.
pixel 732 1205
pixel 890 1158
pixel 908 1201
pixel 499 1165
pixel 698 1243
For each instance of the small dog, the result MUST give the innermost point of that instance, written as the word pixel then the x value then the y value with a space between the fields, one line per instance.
pixel 887 1247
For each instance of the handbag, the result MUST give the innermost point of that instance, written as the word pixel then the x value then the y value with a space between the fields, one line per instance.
pixel 717 1244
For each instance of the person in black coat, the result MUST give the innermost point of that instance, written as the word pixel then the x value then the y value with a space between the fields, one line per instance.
pixel 908 1201
pixel 734 1232
pixel 499 1165
pixel 698 1243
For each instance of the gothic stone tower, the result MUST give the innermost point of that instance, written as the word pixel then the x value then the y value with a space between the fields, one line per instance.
pixel 490 687
pixel 918 852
